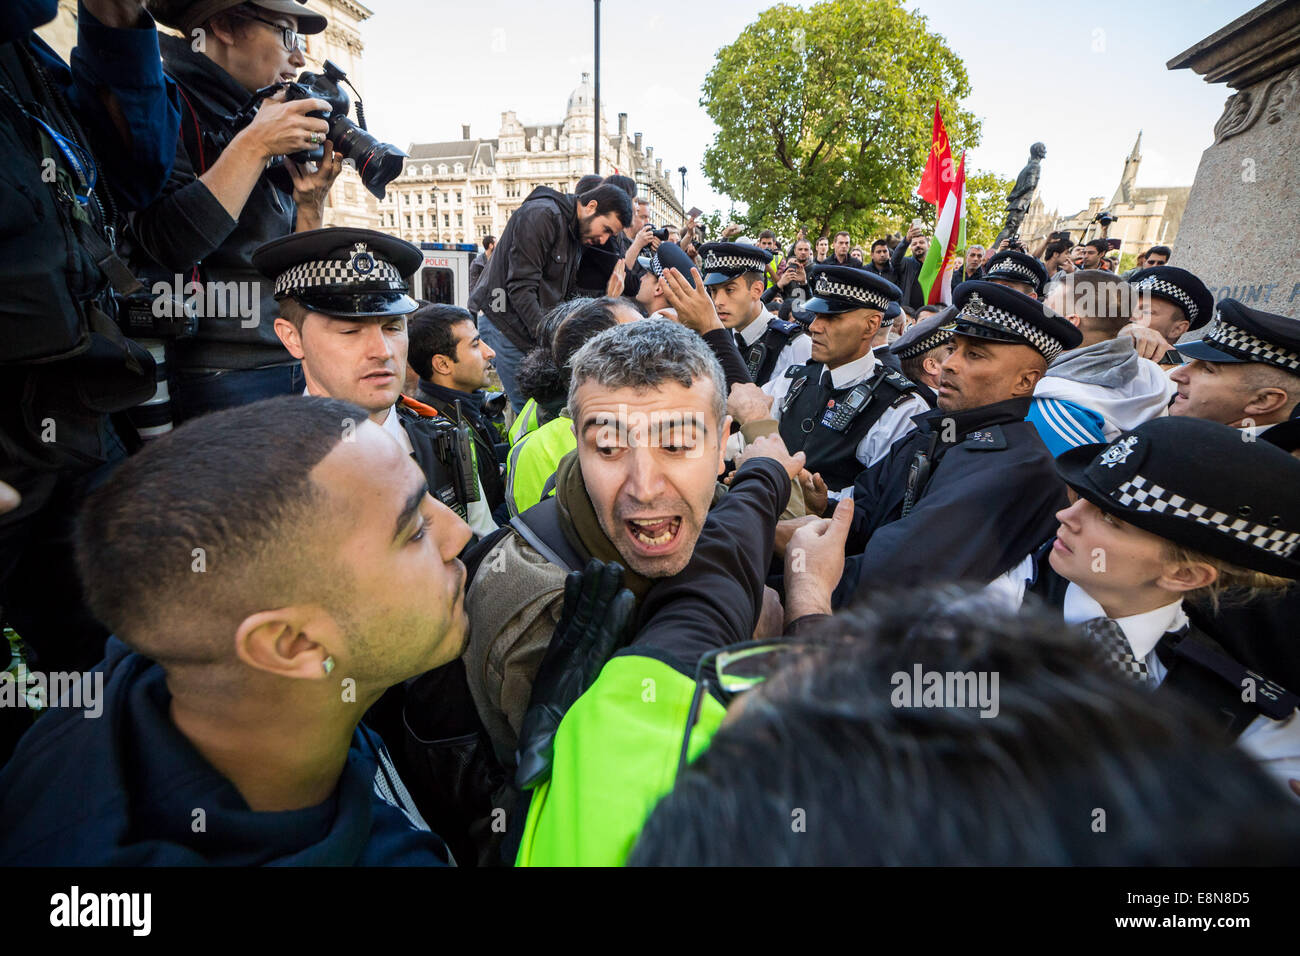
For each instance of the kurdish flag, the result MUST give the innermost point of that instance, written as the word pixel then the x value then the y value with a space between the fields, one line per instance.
pixel 949 238
pixel 932 186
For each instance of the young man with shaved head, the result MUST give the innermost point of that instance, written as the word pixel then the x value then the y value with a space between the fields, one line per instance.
pixel 245 564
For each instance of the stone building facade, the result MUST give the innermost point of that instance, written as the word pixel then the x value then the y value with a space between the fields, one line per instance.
pixel 462 190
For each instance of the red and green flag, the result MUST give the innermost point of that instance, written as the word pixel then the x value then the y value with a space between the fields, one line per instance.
pixel 940 161
pixel 949 239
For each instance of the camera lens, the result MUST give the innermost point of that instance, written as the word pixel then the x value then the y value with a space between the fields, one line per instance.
pixel 377 163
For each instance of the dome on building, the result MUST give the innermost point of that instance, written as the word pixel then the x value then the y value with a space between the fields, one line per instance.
pixel 583 95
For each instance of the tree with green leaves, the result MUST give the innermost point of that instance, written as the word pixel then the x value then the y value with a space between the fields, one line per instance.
pixel 824 118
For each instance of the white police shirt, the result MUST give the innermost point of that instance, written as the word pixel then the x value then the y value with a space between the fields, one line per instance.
pixel 796 352
pixel 1274 744
pixel 891 426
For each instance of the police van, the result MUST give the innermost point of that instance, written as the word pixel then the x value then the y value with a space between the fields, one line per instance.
pixel 443 277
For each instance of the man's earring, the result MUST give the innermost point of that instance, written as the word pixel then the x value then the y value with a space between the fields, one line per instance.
pixel 327 665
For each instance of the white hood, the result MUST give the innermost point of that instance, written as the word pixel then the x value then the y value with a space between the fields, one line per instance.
pixel 1111 379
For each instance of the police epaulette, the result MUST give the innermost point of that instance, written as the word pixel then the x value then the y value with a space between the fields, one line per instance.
pixel 899 380
pixel 794 371
pixel 784 326
pixel 1270 699
pixel 987 439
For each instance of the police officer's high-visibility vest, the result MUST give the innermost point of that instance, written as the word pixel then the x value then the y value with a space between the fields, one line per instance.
pixel 528 420
pixel 533 459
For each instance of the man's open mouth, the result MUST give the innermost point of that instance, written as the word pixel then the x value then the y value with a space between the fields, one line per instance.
pixel 654 534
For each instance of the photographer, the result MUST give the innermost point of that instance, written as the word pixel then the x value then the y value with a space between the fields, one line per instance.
pixel 83 144
pixel 535 267
pixel 792 283
pixel 221 202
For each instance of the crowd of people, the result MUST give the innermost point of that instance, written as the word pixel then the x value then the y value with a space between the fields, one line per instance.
pixel 755 556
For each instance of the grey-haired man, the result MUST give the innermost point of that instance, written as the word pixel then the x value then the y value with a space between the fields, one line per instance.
pixel 648 402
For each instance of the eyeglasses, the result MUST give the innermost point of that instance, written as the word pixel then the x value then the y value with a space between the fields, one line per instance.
pixel 735 669
pixel 290 37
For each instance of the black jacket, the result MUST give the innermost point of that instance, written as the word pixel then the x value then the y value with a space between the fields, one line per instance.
pixel 907 269
pixel 535 263
pixel 187 225
pixel 65 361
pixel 487 453
pixel 990 499
pixel 885 273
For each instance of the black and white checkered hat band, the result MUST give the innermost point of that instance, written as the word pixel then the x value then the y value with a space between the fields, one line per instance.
pixel 714 263
pixel 656 267
pixel 1168 289
pixel 1146 495
pixel 869 298
pixel 982 313
pixel 921 346
pixel 1015 271
pixel 1225 335
pixel 336 272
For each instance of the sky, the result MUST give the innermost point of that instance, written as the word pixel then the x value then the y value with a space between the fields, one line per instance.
pixel 1083 78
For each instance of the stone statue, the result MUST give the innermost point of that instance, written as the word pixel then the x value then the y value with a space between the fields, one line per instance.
pixel 1020 195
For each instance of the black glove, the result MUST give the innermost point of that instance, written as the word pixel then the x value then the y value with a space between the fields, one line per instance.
pixel 593 625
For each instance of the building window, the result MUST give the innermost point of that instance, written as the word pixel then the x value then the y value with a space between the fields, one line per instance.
pixel 408 220
pixel 419 199
pixel 420 220
pixel 442 169
pixel 460 169
pixel 446 198
pixel 460 219
pixel 427 169
pixel 446 219
pixel 433 197
pixel 458 199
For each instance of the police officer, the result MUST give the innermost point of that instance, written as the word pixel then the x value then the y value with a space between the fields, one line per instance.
pixel 1201 511
pixel 733 273
pixel 972 491
pixel 1169 302
pixel 844 408
pixel 1017 270
pixel 880 345
pixel 1244 371
pixel 343 307
pixel 922 349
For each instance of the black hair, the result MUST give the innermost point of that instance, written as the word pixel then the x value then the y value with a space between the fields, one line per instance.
pixel 879 242
pixel 430 331
pixel 1159 251
pixel 232 489
pixel 544 372
pixel 489 241
pixel 833 762
pixel 589 181
pixel 1101 245
pixel 608 199
pixel 767 234
pixel 1056 247
pixel 625 183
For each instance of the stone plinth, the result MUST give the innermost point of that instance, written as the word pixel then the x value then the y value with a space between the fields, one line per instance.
pixel 1243 215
